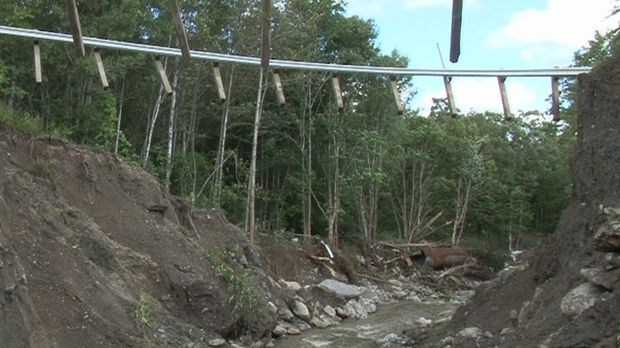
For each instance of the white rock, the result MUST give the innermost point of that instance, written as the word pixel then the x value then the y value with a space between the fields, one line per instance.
pixel 357 310
pixel 391 337
pixel 300 310
pixel 580 299
pixel 329 310
pixel 369 306
pixel 279 330
pixel 423 322
pixel 293 331
pixel 290 285
pixel 318 322
pixel 272 307
pixel 340 288
pixel 218 342
pixel 471 332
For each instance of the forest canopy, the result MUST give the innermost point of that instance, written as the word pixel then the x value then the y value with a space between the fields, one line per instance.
pixel 360 175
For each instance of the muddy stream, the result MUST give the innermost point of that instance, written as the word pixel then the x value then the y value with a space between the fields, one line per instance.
pixel 363 333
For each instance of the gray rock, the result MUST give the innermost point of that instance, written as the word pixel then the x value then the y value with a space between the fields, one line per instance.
pixel 389 338
pixel 369 306
pixel 399 294
pixel 272 307
pixel 471 332
pixel 290 285
pixel 300 310
pixel 278 331
pixel 607 238
pixel 506 331
pixel 293 331
pixel 514 316
pixel 356 309
pixel 340 288
pixel 613 260
pixel 304 327
pixel 286 314
pixel 423 322
pixel 329 310
pixel 318 322
pixel 580 299
pixel 218 342
pixel 601 277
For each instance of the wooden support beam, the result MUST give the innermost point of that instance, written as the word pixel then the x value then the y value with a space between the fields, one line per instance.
pixel 337 92
pixel 455 38
pixel 162 74
pixel 266 44
pixel 502 90
pixel 38 76
pixel 279 89
pixel 399 103
pixel 76 28
pixel 555 98
pixel 104 79
pixel 447 82
pixel 180 29
pixel 219 82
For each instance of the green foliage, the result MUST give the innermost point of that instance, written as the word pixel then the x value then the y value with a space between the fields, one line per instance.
pixel 20 120
pixel 144 311
pixel 244 298
pixel 43 169
pixel 381 174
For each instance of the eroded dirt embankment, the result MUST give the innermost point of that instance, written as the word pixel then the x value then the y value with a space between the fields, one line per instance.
pixel 95 253
pixel 534 308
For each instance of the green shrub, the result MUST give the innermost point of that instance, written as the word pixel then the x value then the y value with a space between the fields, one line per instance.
pixel 43 169
pixel 144 312
pixel 243 295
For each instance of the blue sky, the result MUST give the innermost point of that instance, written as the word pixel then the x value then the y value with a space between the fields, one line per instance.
pixel 496 34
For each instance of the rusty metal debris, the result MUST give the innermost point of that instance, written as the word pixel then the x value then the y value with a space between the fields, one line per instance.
pixel 440 257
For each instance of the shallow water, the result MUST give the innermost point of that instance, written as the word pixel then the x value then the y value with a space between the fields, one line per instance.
pixel 390 318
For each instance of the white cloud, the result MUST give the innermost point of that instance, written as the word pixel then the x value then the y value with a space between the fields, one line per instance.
pixel 372 8
pixel 482 94
pixel 563 24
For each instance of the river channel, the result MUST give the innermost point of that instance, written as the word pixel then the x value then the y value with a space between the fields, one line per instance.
pixel 363 333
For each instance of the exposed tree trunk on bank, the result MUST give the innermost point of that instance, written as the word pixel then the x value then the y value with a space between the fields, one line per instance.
pixel 120 117
pixel 250 223
pixel 175 92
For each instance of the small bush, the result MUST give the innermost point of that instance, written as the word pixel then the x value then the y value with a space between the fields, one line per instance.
pixel 44 170
pixel 243 295
pixel 144 312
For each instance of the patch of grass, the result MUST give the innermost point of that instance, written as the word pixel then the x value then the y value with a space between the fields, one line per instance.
pixel 43 169
pixel 243 295
pixel 21 120
pixel 144 312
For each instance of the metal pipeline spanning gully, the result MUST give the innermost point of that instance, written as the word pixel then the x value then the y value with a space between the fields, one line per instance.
pixel 288 64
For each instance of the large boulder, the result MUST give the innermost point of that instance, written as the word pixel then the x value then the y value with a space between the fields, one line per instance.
pixel 340 288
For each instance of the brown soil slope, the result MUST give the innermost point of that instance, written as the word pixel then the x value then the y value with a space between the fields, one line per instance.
pixel 91 249
pixel 535 295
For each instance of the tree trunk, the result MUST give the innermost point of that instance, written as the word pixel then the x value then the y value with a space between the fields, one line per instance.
pixel 175 87
pixel 250 223
pixel 146 149
pixel 120 116
pixel 221 148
